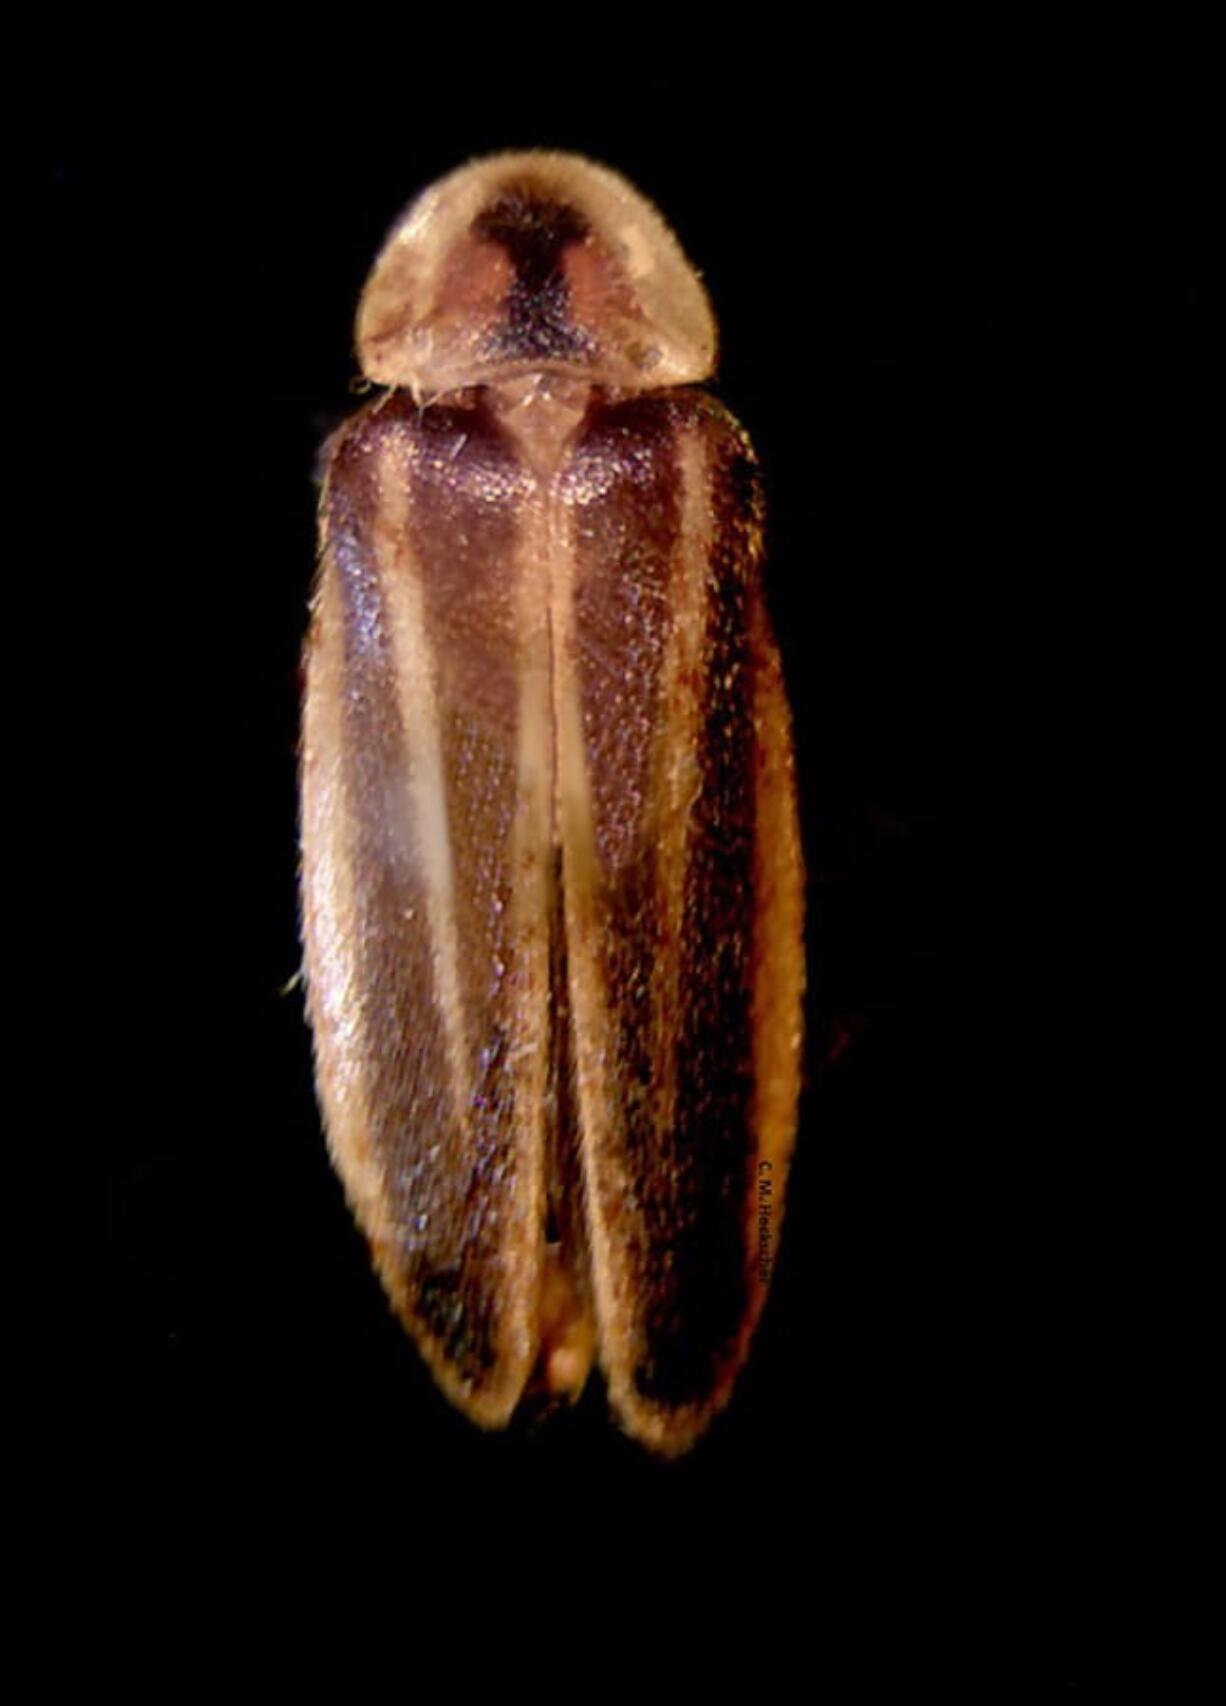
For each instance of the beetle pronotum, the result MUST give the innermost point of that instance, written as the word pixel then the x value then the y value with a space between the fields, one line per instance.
pixel 552 889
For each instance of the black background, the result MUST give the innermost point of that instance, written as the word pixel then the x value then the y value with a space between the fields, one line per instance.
pixel 963 318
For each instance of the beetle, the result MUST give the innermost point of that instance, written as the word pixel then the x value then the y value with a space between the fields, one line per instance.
pixel 551 878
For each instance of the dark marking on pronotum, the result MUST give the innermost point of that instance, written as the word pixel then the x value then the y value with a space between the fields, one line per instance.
pixel 535 232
